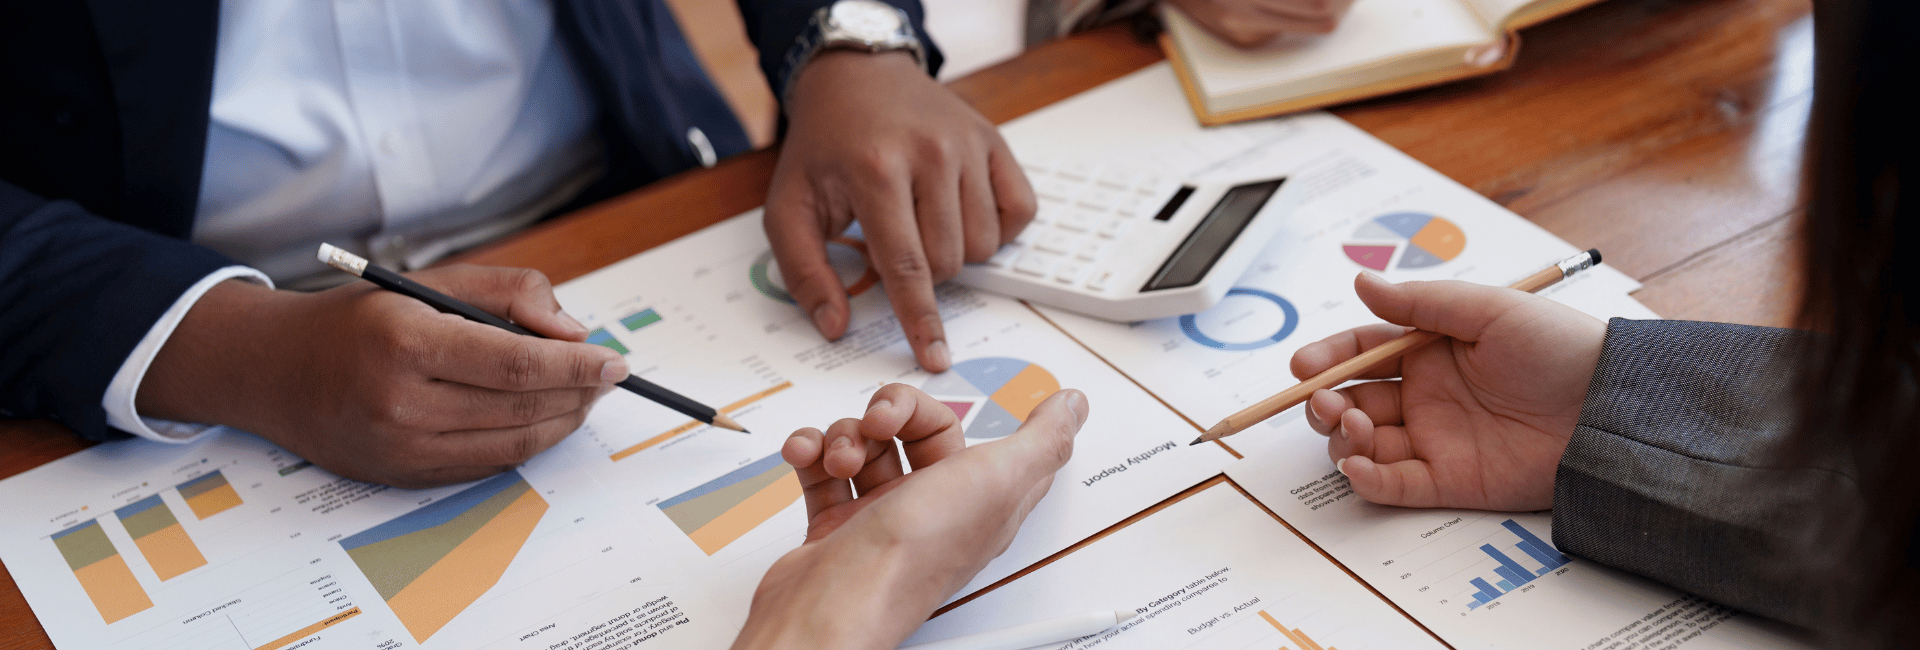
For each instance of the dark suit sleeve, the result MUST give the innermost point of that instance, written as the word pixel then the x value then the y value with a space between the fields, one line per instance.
pixel 773 25
pixel 1679 468
pixel 77 293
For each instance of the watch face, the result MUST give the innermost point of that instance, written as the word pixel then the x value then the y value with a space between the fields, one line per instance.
pixel 868 20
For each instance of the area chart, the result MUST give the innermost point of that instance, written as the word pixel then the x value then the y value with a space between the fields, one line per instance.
pixel 724 509
pixel 209 495
pixel 432 563
pixel 1418 240
pixel 103 574
pixel 160 538
pixel 998 392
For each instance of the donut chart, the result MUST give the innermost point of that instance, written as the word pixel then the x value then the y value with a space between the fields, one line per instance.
pixel 847 255
pixel 1416 239
pixel 1253 312
pixel 998 392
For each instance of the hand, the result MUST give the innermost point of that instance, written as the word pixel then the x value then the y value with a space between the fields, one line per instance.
pixel 376 386
pixel 1249 23
pixel 1478 420
pixel 876 566
pixel 873 138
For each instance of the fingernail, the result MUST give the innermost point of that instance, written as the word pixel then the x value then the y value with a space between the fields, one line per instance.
pixel 841 443
pixel 573 324
pixel 1077 403
pixel 613 371
pixel 938 353
pixel 820 315
pixel 1375 277
pixel 1340 466
pixel 879 405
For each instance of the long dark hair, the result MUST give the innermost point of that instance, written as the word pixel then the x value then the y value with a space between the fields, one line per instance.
pixel 1860 381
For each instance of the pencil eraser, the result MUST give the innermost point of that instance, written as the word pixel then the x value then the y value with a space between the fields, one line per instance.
pixel 326 253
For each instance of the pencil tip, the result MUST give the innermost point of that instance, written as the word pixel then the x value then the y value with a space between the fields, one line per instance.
pixel 1196 441
pixel 724 422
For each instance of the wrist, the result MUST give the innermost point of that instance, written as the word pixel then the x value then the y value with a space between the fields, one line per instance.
pixel 210 365
pixel 845 592
pixel 849 73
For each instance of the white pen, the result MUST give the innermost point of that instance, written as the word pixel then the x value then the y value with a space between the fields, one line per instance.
pixel 1037 633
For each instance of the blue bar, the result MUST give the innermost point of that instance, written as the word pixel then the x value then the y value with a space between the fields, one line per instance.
pixel 1487 591
pixel 1518 574
pixel 1511 577
pixel 1474 605
pixel 1550 560
pixel 1505 586
pixel 1543 571
pixel 1530 538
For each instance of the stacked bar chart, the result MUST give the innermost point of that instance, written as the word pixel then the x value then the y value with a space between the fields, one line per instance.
pixel 1512 574
pixel 724 509
pixel 432 563
pixel 103 574
pixel 635 321
pixel 601 337
pixel 209 495
pixel 160 538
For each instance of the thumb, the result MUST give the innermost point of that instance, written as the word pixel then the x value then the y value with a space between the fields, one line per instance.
pixel 1458 309
pixel 800 249
pixel 1044 443
pixel 1408 483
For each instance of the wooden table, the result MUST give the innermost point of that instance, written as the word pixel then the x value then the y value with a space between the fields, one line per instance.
pixel 1666 133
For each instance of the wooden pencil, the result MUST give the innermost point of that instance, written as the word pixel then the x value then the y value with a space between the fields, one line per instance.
pixel 1345 371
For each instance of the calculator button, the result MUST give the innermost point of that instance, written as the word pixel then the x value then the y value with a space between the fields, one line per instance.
pixel 1068 272
pixel 1093 249
pixel 1117 178
pixel 1056 188
pixel 1078 220
pixel 1100 280
pixel 1079 170
pixel 1036 263
pixel 1096 199
pixel 1038 165
pixel 1005 256
pixel 1114 228
pixel 1057 242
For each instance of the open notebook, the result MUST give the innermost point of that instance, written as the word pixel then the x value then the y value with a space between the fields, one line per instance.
pixel 1382 46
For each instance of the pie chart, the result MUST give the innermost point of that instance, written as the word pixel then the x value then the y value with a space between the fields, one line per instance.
pixel 1405 240
pixel 847 255
pixel 992 395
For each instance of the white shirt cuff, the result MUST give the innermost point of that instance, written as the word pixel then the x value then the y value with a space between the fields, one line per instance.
pixel 126 382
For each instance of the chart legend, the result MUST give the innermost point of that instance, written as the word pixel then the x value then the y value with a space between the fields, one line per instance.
pixel 1405 241
pixel 996 392
pixel 160 538
pixel 209 495
pixel 724 509
pixel 103 574
pixel 432 563
pixel 635 321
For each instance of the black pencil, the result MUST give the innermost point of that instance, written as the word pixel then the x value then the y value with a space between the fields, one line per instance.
pixel 340 259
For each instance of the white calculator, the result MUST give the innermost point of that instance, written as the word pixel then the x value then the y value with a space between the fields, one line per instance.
pixel 1128 243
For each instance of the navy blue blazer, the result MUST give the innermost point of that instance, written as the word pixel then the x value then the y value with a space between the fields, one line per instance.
pixel 103 133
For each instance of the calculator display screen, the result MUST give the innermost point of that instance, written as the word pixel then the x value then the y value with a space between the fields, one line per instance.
pixel 1209 240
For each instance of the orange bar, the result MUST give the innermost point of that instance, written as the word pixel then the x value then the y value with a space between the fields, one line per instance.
pixel 170 552
pixel 696 423
pixel 307 631
pixel 113 589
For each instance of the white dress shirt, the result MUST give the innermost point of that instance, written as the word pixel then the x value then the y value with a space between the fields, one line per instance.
pixel 399 129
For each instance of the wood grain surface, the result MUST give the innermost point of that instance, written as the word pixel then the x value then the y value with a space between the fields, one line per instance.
pixel 1666 133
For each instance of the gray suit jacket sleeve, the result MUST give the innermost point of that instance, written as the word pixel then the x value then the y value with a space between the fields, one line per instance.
pixel 1679 469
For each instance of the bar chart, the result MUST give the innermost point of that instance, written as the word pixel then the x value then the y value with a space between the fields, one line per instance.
pixel 102 573
pixel 160 538
pixel 1513 574
pixel 209 495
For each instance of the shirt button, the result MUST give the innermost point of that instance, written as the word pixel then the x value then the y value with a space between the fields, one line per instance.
pixel 702 147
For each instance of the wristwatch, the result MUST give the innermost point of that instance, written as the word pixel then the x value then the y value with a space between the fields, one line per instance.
pixel 865 25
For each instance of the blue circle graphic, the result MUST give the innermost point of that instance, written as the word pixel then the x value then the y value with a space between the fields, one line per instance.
pixel 1192 328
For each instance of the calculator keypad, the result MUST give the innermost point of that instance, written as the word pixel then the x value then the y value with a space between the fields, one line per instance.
pixel 1084 208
